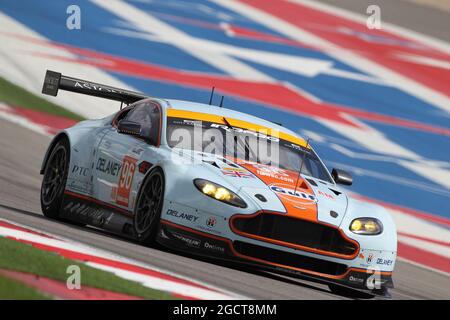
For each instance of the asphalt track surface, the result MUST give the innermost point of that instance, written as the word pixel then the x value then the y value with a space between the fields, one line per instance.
pixel 411 14
pixel 21 154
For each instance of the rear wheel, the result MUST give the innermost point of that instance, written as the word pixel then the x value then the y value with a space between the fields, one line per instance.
pixel 54 180
pixel 147 212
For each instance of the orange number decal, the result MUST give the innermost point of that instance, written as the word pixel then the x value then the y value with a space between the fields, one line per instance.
pixel 125 180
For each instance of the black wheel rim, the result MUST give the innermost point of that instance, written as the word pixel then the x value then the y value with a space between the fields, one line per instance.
pixel 149 203
pixel 55 172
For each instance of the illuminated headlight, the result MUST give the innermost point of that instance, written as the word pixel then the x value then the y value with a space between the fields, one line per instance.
pixel 220 193
pixel 368 226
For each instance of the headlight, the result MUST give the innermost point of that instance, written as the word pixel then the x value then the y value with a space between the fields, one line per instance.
pixel 368 226
pixel 220 193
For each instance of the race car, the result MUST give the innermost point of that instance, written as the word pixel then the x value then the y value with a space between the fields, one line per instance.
pixel 215 182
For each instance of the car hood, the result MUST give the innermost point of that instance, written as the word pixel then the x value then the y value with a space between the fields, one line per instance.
pixel 314 200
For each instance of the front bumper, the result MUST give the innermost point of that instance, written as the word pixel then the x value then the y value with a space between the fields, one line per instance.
pixel 197 242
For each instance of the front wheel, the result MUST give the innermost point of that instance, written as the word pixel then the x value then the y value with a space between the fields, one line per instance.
pixel 54 180
pixel 147 212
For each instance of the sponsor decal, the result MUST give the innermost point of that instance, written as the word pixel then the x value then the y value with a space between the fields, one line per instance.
pixel 80 186
pixel 237 173
pixel 355 279
pixel 274 176
pixel 244 131
pixel 191 242
pixel 368 258
pixel 114 194
pixel 211 222
pixel 96 216
pixel 137 150
pixel 208 229
pixel 196 123
pixel 144 166
pixel 213 247
pixel 326 195
pixel 125 180
pixel 234 169
pixel 293 195
pixel 92 86
pixel 80 171
pixel 385 262
pixel 263 170
pixel 181 215
pixel 109 167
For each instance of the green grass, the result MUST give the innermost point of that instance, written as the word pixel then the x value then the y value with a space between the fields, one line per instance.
pixel 15 95
pixel 14 290
pixel 21 257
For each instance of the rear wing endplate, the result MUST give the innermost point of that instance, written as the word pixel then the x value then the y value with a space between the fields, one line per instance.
pixel 55 81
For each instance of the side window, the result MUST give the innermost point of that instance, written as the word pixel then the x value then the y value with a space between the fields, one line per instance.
pixel 148 115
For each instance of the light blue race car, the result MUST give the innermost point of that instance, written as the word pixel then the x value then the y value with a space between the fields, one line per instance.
pixel 215 182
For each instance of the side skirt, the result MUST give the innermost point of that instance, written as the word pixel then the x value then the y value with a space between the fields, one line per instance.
pixel 84 209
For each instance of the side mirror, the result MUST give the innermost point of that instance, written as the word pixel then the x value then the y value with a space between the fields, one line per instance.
pixel 342 177
pixel 129 127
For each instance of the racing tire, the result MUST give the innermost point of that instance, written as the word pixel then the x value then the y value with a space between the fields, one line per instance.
pixel 54 180
pixel 349 293
pixel 147 212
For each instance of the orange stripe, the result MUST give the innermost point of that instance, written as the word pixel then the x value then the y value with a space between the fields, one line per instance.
pixel 289 202
pixel 185 114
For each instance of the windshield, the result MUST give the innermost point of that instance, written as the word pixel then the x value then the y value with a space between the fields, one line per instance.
pixel 241 144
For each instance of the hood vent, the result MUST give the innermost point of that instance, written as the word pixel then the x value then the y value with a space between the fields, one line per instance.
pixel 213 163
pixel 312 182
pixel 335 192
pixel 303 185
pixel 230 163
pixel 260 197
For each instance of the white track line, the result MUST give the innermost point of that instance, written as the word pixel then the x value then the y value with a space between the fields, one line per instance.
pixel 162 284
pixel 146 280
pixel 7 114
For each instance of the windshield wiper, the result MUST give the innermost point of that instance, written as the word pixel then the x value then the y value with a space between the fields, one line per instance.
pixel 301 166
pixel 246 146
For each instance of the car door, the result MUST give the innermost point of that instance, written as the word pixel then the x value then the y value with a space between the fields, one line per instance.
pixel 120 154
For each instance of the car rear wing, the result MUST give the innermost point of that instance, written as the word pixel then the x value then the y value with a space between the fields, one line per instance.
pixel 54 81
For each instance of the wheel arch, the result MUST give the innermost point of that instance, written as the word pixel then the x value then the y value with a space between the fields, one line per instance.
pixel 61 135
pixel 147 174
pixel 149 236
